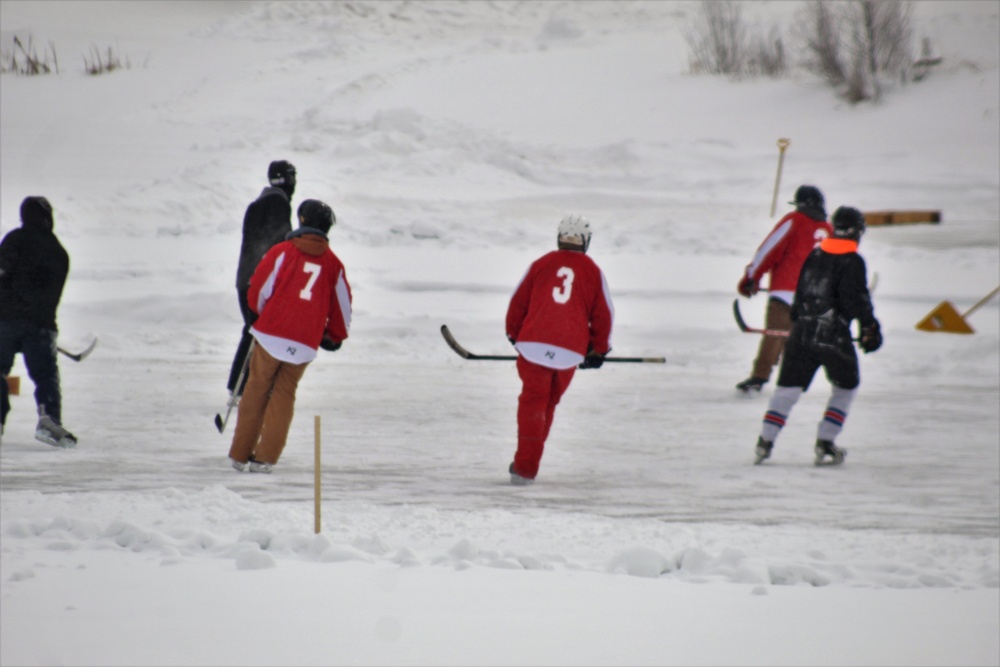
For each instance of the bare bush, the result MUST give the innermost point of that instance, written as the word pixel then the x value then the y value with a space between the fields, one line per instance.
pixel 24 59
pixel 819 28
pixel 766 55
pixel 721 43
pixel 717 39
pixel 858 46
pixel 100 63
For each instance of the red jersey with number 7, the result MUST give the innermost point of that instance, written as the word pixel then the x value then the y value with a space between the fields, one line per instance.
pixel 561 309
pixel 300 291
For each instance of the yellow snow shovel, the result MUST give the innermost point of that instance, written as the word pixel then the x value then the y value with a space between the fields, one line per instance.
pixel 945 318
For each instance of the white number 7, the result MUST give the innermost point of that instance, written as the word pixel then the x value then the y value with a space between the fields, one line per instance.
pixel 313 271
pixel 561 294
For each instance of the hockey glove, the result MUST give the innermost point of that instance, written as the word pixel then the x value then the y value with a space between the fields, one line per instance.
pixel 871 337
pixel 593 360
pixel 329 344
pixel 747 287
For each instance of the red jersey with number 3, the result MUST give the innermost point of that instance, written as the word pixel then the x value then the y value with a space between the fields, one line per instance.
pixel 561 309
pixel 300 291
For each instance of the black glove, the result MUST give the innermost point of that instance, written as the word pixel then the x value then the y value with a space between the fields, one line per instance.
pixel 512 341
pixel 593 360
pixel 871 337
pixel 747 287
pixel 329 344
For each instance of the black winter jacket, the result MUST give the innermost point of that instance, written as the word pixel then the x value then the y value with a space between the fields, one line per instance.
pixel 33 270
pixel 832 292
pixel 266 222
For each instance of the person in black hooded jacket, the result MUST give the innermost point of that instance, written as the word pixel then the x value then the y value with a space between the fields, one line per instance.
pixel 33 270
pixel 832 292
pixel 268 219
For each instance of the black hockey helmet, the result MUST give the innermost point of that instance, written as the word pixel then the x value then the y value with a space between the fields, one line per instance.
pixel 808 196
pixel 848 223
pixel 314 213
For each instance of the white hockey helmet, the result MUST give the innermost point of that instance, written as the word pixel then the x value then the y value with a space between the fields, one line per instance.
pixel 574 233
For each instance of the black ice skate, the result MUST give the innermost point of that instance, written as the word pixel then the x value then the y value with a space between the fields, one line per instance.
pixel 751 384
pixel 828 454
pixel 762 451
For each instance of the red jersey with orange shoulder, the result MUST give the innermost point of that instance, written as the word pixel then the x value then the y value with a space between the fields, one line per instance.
pixel 561 309
pixel 300 291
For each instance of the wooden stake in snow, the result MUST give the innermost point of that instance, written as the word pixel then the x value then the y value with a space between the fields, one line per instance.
pixel 782 145
pixel 316 476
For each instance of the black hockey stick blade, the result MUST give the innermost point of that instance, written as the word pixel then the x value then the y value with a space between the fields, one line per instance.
pixel 220 422
pixel 82 355
pixel 747 329
pixel 465 354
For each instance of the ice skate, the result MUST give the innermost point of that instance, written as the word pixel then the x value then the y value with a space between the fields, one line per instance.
pixel 517 480
pixel 751 384
pixel 261 467
pixel 828 454
pixel 762 451
pixel 51 433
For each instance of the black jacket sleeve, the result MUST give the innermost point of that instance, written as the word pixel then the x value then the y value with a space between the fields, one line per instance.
pixel 267 221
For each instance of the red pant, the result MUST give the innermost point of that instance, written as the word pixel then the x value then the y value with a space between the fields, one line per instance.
pixel 541 389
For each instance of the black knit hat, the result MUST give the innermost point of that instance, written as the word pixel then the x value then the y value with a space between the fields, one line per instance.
pixel 36 211
pixel 281 172
pixel 314 213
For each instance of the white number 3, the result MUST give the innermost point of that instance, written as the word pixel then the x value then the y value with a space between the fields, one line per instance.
pixel 313 271
pixel 561 293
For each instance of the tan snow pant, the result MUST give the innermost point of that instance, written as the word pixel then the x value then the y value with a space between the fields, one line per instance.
pixel 266 408
pixel 779 316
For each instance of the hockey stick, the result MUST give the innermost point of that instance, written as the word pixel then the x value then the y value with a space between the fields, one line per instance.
pixel 746 329
pixel 220 423
pixel 767 332
pixel 81 356
pixel 465 354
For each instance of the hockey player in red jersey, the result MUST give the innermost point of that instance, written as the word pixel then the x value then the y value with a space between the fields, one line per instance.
pixel 559 317
pixel 303 301
pixel 781 254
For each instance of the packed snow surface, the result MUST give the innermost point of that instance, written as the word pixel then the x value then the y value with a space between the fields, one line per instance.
pixel 450 138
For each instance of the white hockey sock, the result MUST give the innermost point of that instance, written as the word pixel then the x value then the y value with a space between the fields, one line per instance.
pixel 782 402
pixel 836 413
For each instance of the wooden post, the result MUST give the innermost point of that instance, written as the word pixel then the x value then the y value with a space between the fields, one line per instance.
pixel 316 476
pixel 980 302
pixel 782 145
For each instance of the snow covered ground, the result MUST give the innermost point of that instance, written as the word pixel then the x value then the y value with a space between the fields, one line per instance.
pixel 450 138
